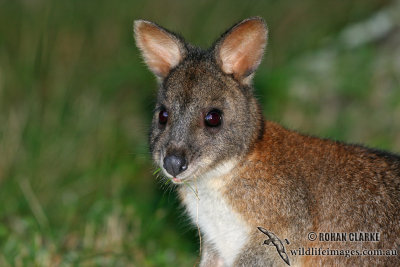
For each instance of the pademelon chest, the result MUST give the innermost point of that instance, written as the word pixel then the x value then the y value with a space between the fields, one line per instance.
pixel 220 225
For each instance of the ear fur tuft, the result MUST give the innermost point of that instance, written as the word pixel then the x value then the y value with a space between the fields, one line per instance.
pixel 239 51
pixel 161 49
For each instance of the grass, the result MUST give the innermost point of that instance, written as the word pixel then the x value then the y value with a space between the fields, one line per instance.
pixel 76 182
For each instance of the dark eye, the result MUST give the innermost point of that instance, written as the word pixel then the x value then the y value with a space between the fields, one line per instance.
pixel 163 116
pixel 213 118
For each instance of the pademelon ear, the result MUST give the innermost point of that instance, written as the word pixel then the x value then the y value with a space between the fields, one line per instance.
pixel 161 49
pixel 239 51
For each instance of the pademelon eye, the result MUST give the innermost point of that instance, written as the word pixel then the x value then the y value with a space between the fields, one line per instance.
pixel 213 118
pixel 163 116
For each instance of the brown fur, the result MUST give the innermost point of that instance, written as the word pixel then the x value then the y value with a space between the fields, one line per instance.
pixel 310 184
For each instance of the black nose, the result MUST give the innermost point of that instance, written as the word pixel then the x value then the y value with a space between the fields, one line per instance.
pixel 174 165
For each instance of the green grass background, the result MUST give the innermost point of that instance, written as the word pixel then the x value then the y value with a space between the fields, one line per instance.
pixel 76 183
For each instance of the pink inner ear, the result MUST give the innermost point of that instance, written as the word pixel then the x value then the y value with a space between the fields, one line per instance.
pixel 160 49
pixel 242 49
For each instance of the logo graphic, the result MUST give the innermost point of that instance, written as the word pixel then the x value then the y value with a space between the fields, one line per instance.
pixel 273 240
